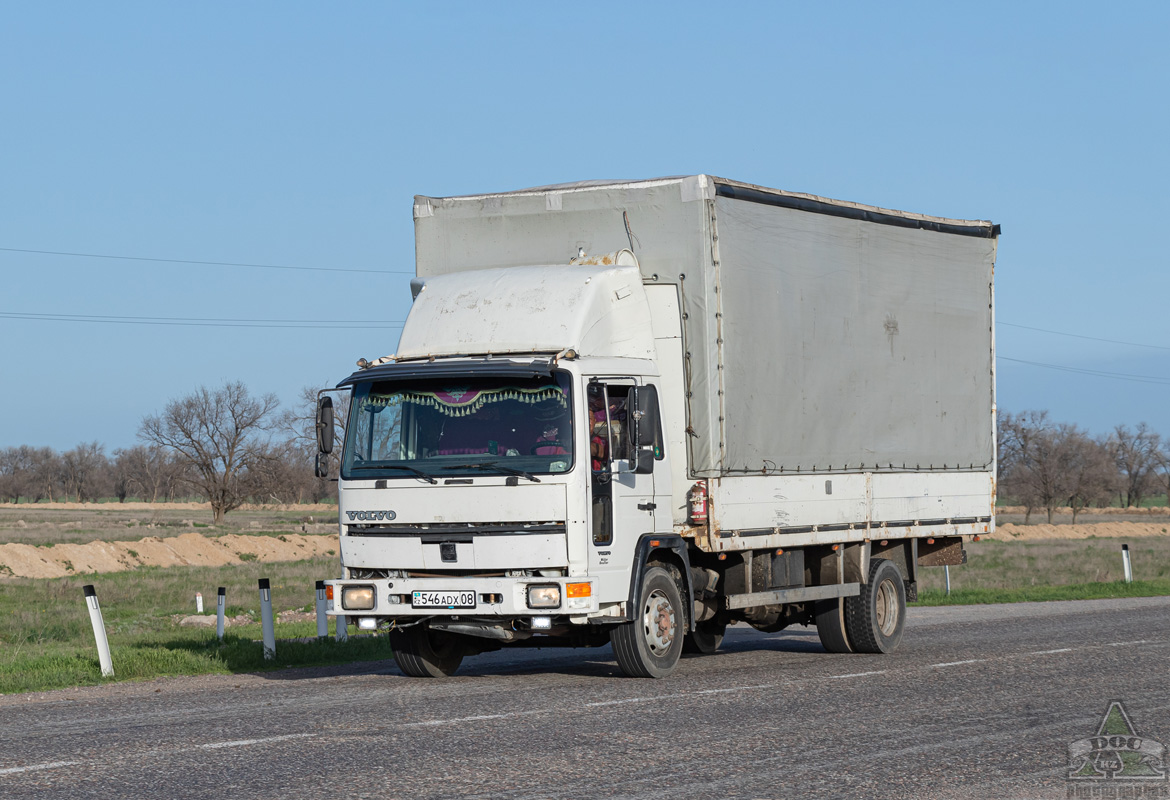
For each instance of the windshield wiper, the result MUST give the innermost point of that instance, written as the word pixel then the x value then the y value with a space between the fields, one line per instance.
pixel 494 465
pixel 416 472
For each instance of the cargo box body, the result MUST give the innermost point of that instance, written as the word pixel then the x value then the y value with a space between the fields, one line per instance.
pixel 819 337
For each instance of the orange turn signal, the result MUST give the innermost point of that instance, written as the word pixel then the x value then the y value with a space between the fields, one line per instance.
pixel 328 592
pixel 579 590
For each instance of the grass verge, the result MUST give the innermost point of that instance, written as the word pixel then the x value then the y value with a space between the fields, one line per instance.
pixel 1031 594
pixel 46 641
pixel 184 654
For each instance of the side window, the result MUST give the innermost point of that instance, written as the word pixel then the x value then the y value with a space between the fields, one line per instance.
pixel 609 437
pixel 619 431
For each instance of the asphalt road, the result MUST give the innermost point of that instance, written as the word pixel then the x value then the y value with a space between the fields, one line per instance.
pixel 979 702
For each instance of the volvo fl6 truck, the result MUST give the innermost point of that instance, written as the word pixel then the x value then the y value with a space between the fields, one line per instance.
pixel 638 412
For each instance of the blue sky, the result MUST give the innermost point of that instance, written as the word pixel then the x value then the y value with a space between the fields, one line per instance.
pixel 295 134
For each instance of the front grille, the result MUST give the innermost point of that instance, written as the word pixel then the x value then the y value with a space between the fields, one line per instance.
pixel 466 529
pixel 357 573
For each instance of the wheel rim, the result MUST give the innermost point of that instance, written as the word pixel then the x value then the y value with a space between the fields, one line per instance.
pixel 658 622
pixel 886 607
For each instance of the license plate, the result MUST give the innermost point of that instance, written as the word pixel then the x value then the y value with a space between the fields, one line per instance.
pixel 442 599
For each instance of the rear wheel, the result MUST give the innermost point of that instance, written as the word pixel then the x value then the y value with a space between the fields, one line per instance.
pixel 423 653
pixel 830 616
pixel 876 617
pixel 649 647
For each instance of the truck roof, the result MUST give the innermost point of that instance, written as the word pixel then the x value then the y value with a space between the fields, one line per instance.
pixel 711 186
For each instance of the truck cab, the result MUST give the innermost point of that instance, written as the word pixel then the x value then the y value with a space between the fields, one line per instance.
pixel 487 497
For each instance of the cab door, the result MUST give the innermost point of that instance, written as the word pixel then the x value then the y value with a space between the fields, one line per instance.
pixel 624 503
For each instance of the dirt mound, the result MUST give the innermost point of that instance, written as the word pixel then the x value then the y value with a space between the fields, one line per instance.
pixel 1064 511
pixel 1112 530
pixel 143 507
pixel 190 549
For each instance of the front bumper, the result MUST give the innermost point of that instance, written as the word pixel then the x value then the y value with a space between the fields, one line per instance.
pixel 494 597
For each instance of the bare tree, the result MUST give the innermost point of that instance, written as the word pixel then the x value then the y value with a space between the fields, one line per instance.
pixel 1018 434
pixel 280 474
pixel 149 472
pixel 46 475
pixel 1089 470
pixel 15 472
pixel 218 435
pixel 300 424
pixel 1041 460
pixel 84 469
pixel 1136 454
pixel 1162 469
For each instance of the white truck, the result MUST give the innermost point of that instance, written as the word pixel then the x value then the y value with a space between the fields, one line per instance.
pixel 758 406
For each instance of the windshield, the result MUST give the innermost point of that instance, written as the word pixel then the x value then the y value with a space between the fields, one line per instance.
pixel 470 426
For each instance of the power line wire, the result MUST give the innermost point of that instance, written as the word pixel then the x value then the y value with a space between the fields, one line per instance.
pixel 1094 372
pixel 199 319
pixel 223 322
pixel 195 322
pixel 209 263
pixel 411 272
pixel 1082 336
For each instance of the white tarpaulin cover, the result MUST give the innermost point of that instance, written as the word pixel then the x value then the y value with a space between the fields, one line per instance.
pixel 821 335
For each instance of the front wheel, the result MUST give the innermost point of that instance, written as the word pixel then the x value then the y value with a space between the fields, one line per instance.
pixel 423 653
pixel 876 617
pixel 650 646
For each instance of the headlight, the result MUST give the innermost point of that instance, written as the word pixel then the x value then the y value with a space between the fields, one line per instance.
pixel 544 596
pixel 357 598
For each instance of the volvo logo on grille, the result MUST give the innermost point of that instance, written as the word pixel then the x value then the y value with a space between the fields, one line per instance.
pixel 370 516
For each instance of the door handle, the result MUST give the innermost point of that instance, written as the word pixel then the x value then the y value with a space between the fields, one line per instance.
pixel 647 506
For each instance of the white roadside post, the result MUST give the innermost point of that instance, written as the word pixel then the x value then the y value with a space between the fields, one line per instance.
pixel 341 628
pixel 266 619
pixel 947 571
pixel 99 631
pixel 1125 562
pixel 322 619
pixel 199 602
pixel 220 602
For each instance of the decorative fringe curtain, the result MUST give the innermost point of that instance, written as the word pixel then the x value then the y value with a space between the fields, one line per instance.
pixel 464 403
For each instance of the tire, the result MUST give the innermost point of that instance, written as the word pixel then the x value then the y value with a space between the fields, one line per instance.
pixel 423 653
pixel 831 626
pixel 650 646
pixel 876 617
pixel 705 638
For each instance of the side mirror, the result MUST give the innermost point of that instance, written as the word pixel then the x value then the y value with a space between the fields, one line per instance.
pixel 325 425
pixel 321 465
pixel 644 421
